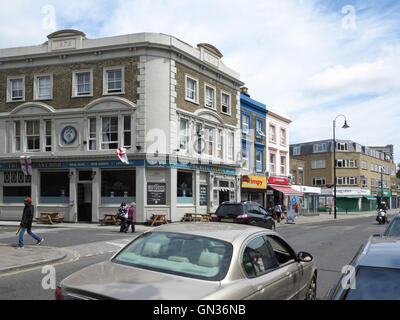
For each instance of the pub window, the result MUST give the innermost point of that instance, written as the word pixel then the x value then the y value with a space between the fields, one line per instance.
pixel 17 136
pixel 16 187
pixel 209 139
pixel 16 194
pixel 48 135
pixel 127 131
pixel 109 133
pixel 118 186
pixel 230 145
pixel 92 133
pixel 183 134
pixel 220 142
pixel 114 80
pixel 54 187
pixel 185 187
pixel 32 135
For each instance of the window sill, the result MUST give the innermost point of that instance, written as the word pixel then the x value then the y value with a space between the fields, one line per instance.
pixel 15 101
pixel 83 96
pixel 192 101
pixel 113 93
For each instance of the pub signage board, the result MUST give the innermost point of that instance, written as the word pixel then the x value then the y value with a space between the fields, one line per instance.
pixel 156 193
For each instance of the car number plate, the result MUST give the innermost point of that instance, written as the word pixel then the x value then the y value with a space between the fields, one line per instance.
pixel 226 220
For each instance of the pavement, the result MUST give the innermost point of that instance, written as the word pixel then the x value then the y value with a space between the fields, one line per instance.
pixel 13 258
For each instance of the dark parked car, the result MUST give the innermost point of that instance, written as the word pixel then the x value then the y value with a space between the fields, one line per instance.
pixel 246 213
pixel 373 274
pixel 393 229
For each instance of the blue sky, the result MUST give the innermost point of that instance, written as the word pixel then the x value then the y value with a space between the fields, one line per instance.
pixel 309 59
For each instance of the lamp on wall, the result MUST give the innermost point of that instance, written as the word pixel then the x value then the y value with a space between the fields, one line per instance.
pixel 93 174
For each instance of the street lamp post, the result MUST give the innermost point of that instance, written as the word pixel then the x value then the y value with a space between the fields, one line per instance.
pixel 345 126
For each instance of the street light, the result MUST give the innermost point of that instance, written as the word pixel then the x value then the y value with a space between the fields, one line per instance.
pixel 345 126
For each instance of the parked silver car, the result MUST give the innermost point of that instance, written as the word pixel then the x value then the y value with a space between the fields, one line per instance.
pixel 219 260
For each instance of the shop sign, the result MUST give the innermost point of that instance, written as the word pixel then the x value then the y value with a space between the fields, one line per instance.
pixel 203 195
pixel 254 182
pixel 156 193
pixel 386 193
pixel 280 181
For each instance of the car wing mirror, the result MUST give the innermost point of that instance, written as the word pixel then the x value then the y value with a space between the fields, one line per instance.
pixel 377 235
pixel 304 257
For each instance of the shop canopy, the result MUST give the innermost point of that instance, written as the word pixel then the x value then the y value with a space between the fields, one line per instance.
pixel 370 197
pixel 287 191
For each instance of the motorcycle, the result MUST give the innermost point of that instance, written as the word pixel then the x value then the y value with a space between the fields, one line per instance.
pixel 381 218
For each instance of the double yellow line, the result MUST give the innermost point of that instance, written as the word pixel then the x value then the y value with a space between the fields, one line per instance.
pixel 75 257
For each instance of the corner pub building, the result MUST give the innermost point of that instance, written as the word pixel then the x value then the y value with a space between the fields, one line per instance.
pixel 70 103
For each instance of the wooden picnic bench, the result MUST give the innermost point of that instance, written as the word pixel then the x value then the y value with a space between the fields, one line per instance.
pixel 51 217
pixel 110 218
pixel 158 219
pixel 196 217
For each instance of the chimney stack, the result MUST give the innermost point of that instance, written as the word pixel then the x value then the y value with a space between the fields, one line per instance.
pixel 245 91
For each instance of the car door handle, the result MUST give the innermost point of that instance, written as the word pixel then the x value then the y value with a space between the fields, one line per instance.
pixel 289 274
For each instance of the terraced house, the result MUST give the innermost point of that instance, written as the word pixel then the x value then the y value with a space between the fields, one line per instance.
pixel 358 173
pixel 71 102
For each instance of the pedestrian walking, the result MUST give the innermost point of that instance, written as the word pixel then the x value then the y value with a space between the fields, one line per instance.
pixel 131 218
pixel 278 211
pixel 296 208
pixel 26 224
pixel 123 215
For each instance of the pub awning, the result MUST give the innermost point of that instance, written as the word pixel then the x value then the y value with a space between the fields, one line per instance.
pixel 287 191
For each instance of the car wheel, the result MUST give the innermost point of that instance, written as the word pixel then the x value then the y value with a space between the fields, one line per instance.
pixel 312 289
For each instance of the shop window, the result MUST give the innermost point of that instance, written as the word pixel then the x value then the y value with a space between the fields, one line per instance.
pixel 185 187
pixel 118 186
pixel 16 194
pixel 17 136
pixel 54 187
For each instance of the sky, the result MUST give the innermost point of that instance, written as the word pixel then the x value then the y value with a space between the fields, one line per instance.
pixel 311 60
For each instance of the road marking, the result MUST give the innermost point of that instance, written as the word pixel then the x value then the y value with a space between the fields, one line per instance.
pixel 75 257
pixel 120 245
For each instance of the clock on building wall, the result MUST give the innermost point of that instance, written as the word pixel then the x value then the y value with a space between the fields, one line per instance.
pixel 69 134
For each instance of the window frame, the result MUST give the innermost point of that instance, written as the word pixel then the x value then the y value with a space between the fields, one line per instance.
pixel 229 113
pixel 75 85
pixel 36 87
pixel 196 89
pixel 10 90
pixel 259 120
pixel 183 134
pixel 109 132
pixel 262 151
pixel 243 116
pixel 214 101
pixel 106 90
pixel 272 137
pixel 32 135
pixel 282 136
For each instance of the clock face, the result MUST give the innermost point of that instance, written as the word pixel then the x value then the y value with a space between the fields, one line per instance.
pixel 68 134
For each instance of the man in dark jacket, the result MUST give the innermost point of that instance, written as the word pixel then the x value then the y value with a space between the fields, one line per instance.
pixel 26 224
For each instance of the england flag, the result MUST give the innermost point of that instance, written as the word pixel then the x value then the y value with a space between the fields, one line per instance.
pixel 26 165
pixel 121 152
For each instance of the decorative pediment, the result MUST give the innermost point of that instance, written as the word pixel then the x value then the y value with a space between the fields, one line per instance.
pixel 32 108
pixel 209 115
pixel 109 104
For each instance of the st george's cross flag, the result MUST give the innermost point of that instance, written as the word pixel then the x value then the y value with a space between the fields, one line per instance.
pixel 121 152
pixel 26 165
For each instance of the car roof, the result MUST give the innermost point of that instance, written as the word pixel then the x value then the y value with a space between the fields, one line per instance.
pixel 229 232
pixel 382 252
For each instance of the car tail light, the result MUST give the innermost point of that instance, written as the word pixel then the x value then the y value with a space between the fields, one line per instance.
pixel 58 294
pixel 242 217
pixel 214 217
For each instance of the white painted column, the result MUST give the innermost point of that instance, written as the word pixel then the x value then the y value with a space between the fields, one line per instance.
pixel 141 195
pixel 73 201
pixel 96 194
pixel 172 192
pixel 35 185
pixel 197 190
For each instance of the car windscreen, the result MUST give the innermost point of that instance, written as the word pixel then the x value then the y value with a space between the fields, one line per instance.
pixel 230 210
pixel 375 284
pixel 180 254
pixel 394 229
